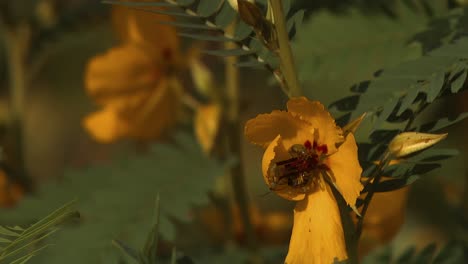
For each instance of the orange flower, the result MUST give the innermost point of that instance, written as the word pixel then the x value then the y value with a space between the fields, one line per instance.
pixel 10 193
pixel 300 148
pixel 384 218
pixel 134 83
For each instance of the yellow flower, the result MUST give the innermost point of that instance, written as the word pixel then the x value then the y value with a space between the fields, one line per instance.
pixel 134 83
pixel 300 147
pixel 206 122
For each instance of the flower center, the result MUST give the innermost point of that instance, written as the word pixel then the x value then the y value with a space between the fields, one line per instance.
pixel 301 168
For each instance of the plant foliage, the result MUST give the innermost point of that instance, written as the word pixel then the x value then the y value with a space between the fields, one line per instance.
pixel 451 253
pixel 333 59
pixel 395 99
pixel 208 20
pixel 18 245
pixel 117 200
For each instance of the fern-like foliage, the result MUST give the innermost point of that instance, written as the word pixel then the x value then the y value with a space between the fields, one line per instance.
pixel 117 200
pixel 332 59
pixel 451 253
pixel 395 99
pixel 18 245
pixel 208 20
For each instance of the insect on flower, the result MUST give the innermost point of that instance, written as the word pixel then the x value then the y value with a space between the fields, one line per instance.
pixel 302 169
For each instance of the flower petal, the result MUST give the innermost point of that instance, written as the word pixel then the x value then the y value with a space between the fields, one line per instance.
pixel 346 170
pixel 207 120
pixel 121 72
pixel 156 112
pixel 315 113
pixel 264 128
pixel 317 235
pixel 105 126
pixel 139 26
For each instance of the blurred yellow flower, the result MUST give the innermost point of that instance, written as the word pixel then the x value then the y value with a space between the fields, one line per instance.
pixel 384 218
pixel 207 118
pixel 300 147
pixel 134 83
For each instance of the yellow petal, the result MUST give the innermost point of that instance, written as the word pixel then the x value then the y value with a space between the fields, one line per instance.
pixel 317 235
pixel 141 26
pixel 105 126
pixel 315 114
pixel 264 128
pixel 120 73
pixel 156 112
pixel 346 170
pixel 206 125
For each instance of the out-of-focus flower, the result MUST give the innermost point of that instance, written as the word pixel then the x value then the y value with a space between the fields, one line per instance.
pixel 300 151
pixel 207 120
pixel 10 193
pixel 135 82
pixel 384 218
pixel 271 228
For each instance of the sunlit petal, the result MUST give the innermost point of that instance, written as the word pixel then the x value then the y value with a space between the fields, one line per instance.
pixel 105 126
pixel 121 72
pixel 315 113
pixel 317 235
pixel 265 128
pixel 346 171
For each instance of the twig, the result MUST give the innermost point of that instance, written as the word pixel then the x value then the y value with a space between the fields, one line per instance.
pixel 234 142
pixel 287 65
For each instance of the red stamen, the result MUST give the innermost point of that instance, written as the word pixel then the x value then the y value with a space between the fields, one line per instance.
pixel 308 145
pixel 323 149
pixel 167 54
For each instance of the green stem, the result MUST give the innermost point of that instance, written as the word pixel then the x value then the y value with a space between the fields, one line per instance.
pixel 287 65
pixel 377 177
pixel 234 142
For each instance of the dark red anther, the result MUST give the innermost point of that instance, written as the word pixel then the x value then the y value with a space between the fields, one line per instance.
pixel 167 54
pixel 308 145
pixel 323 149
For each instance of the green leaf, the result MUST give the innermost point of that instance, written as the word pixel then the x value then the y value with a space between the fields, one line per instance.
pixel 205 37
pixel 208 8
pixel 4 240
pixel 457 84
pixel 441 123
pixel 452 253
pixel 228 52
pixel 188 25
pixel 425 256
pixel 406 256
pixel 137 4
pixel 436 84
pixel 392 185
pixel 7 232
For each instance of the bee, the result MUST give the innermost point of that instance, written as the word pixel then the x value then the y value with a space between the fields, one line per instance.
pixel 296 172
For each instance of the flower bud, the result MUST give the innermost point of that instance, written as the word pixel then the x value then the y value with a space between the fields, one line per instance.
pixel 410 142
